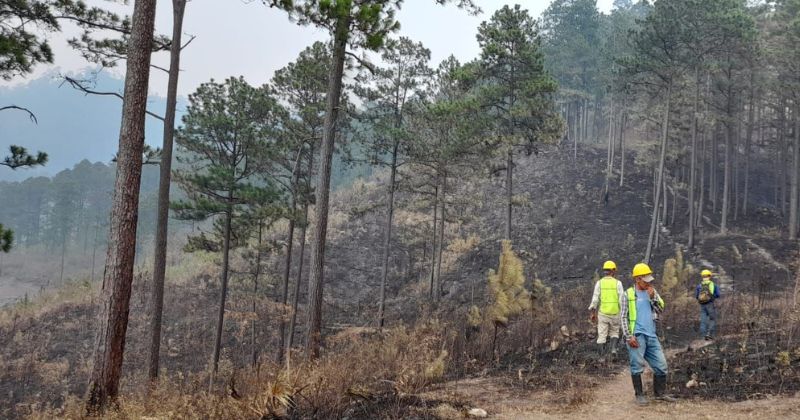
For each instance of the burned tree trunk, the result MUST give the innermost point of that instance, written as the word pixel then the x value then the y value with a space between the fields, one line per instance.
pixel 109 344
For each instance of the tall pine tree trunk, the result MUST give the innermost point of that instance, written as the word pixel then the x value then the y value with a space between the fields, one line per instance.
pixel 693 159
pixel 440 250
pixel 726 181
pixel 287 268
pixel 162 217
pixel 747 148
pixel 109 344
pixel 794 181
pixel 256 274
pixel 387 238
pixel 300 262
pixel 780 160
pixel 434 238
pixel 509 190
pixel 713 184
pixel 622 148
pixel 575 134
pixel 701 201
pixel 94 250
pixel 226 249
pixel 63 254
pixel 660 177
pixel 586 121
pixel 609 153
pixel 299 280
pixel 317 263
pixel 736 173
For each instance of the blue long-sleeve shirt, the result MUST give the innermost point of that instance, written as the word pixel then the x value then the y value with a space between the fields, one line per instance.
pixel 712 288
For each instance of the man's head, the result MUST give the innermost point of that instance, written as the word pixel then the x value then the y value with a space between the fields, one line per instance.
pixel 642 275
pixel 609 268
pixel 706 274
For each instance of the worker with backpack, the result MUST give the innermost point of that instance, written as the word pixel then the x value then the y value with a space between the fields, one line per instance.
pixel 706 293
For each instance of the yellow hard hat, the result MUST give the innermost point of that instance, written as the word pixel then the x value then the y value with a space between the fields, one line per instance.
pixel 706 273
pixel 641 269
pixel 609 265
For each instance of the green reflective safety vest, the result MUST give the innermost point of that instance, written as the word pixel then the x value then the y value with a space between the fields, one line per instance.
pixel 632 308
pixel 710 286
pixel 609 299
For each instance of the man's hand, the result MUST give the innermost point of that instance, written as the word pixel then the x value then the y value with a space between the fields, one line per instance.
pixel 633 343
pixel 593 316
pixel 651 292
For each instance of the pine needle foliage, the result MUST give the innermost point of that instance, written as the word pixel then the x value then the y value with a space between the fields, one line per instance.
pixel 474 317
pixel 507 288
pixel 677 273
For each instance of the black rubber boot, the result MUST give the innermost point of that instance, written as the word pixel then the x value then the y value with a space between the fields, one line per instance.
pixel 601 352
pixel 638 389
pixel 660 387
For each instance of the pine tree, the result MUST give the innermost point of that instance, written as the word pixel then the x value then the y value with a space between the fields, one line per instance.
pixel 302 86
pixel 516 89
pixel 18 158
pixel 357 24
pixel 386 92
pixel 226 144
pixel 449 129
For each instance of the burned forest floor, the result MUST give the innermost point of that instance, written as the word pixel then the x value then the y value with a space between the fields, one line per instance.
pixel 428 362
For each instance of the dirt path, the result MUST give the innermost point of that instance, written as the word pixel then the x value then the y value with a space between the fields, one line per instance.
pixel 607 399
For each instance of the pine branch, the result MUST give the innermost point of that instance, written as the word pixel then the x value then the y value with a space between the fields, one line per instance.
pixel 30 114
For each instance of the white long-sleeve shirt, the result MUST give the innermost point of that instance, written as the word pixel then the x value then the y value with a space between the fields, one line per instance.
pixel 596 294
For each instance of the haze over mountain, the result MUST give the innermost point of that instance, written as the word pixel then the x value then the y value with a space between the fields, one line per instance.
pixel 71 126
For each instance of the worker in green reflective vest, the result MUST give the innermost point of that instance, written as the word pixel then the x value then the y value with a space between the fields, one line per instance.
pixel 604 310
pixel 638 316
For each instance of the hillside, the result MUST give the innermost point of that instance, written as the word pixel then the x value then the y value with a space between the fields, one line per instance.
pixel 563 232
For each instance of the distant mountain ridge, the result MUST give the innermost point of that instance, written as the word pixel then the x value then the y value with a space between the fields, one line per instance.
pixel 71 126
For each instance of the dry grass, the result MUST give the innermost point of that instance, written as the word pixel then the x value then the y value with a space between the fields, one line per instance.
pixel 362 376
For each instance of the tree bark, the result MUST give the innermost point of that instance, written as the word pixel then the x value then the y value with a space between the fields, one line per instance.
pixel 387 239
pixel 576 122
pixel 713 184
pixel 434 239
pixel 296 297
pixel 735 168
pixel 659 182
pixel 747 148
pixel 300 262
pixel 701 201
pixel 63 254
pixel 585 125
pixel 94 251
pixel 256 274
pixel 693 159
pixel 162 217
pixel 781 158
pixel 794 183
pixel 726 181
pixel 317 263
pixel 287 268
pixel 109 344
pixel 440 250
pixel 226 248
pixel 509 190
pixel 622 149
pixel 609 153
